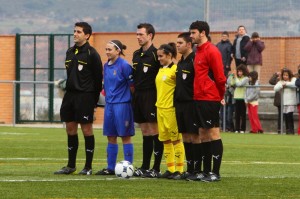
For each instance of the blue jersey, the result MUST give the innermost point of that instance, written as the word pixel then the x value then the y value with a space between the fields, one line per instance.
pixel 117 81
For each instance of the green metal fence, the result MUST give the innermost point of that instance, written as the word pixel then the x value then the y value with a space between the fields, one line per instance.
pixel 39 57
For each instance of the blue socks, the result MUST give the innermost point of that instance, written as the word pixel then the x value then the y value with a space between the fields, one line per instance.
pixel 112 153
pixel 128 152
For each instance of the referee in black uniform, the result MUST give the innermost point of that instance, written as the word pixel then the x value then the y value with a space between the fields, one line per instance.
pixel 184 106
pixel 146 66
pixel 83 86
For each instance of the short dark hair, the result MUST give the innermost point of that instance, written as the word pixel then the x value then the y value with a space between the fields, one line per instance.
pixel 200 26
pixel 242 26
pixel 254 35
pixel 87 29
pixel 185 36
pixel 149 28
pixel 225 33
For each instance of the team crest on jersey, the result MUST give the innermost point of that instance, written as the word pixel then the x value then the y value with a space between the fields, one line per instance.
pixel 184 75
pixel 80 67
pixel 164 77
pixel 115 72
pixel 126 123
pixel 145 69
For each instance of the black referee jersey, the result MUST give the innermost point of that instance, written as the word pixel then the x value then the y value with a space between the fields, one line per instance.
pixel 146 66
pixel 184 90
pixel 84 69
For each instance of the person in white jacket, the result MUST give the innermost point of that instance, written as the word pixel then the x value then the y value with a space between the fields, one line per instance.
pixel 287 85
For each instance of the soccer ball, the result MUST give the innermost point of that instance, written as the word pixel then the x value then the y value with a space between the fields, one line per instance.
pixel 124 169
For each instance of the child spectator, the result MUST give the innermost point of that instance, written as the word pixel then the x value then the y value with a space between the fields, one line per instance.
pixel 287 86
pixel 230 102
pixel 240 80
pixel 277 99
pixel 251 100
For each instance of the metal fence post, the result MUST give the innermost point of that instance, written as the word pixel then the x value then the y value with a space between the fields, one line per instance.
pixel 14 104
pixel 281 112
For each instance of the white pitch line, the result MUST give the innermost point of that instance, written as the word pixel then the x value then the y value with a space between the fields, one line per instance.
pixel 226 162
pixel 260 162
pixel 71 179
pixel 133 178
pixel 39 159
pixel 14 133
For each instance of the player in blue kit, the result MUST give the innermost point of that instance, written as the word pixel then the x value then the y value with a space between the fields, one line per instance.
pixel 118 114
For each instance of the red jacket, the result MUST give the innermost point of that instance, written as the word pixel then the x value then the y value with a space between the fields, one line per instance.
pixel 209 81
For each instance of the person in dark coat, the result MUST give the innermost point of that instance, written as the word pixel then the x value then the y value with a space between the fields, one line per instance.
pixel 225 47
pixel 238 53
pixel 254 47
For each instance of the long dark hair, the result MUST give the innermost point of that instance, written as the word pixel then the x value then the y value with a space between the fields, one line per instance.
pixel 288 71
pixel 169 48
pixel 118 45
pixel 254 77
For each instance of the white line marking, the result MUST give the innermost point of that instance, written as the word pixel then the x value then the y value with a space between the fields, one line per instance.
pixel 14 133
pixel 72 179
pixel 101 159
pixel 133 178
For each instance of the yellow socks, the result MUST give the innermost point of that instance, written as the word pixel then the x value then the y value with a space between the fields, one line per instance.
pixel 179 156
pixel 169 156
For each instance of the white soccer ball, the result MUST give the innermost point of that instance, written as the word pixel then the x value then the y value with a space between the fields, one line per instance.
pixel 124 169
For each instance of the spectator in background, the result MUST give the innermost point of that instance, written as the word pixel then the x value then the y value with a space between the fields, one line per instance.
pixel 230 104
pixel 298 96
pixel 251 100
pixel 240 80
pixel 225 48
pixel 277 99
pixel 238 52
pixel 254 47
pixel 287 86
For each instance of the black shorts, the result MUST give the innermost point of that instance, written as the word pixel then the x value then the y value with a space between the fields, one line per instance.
pixel 78 107
pixel 186 117
pixel 144 108
pixel 208 114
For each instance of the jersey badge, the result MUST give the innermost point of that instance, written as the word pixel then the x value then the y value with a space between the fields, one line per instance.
pixel 145 69
pixel 80 67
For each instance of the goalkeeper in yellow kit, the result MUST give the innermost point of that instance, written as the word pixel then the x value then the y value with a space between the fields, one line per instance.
pixel 167 125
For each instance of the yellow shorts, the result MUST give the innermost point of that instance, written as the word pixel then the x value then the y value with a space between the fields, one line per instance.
pixel 167 125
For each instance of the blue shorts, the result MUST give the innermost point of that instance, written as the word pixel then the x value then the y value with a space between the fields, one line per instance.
pixel 118 120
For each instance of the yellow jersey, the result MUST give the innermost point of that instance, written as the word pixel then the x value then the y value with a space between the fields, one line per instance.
pixel 165 85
